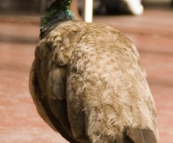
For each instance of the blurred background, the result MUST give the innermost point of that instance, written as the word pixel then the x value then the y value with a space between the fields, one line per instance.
pixel 152 33
pixel 39 6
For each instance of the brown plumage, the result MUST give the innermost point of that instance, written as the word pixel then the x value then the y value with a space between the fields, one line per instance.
pixel 88 84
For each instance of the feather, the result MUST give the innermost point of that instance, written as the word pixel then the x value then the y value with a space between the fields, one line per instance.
pixel 142 135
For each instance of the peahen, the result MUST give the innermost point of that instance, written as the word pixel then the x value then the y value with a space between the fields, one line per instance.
pixel 88 83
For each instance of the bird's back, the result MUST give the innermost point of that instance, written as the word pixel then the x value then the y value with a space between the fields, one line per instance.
pixel 94 85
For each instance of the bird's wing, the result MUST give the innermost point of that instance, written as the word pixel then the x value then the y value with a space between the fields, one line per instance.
pixel 48 80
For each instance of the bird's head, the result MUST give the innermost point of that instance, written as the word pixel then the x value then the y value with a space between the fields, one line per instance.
pixel 58 11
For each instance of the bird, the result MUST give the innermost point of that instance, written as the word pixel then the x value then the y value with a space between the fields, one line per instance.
pixel 88 83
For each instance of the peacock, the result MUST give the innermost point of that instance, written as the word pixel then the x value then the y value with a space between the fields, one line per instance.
pixel 88 83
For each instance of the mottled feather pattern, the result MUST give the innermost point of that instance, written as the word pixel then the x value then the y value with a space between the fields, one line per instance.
pixel 97 71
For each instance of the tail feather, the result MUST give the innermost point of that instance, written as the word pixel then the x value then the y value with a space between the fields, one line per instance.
pixel 141 135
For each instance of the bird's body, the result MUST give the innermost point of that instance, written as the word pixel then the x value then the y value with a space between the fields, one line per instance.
pixel 88 84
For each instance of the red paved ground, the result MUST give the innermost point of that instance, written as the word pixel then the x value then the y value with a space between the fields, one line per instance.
pixel 152 33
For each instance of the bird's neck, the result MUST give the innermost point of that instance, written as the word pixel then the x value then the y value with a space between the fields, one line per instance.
pixel 58 11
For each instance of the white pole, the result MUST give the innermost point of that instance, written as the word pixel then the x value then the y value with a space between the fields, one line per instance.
pixel 88 11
